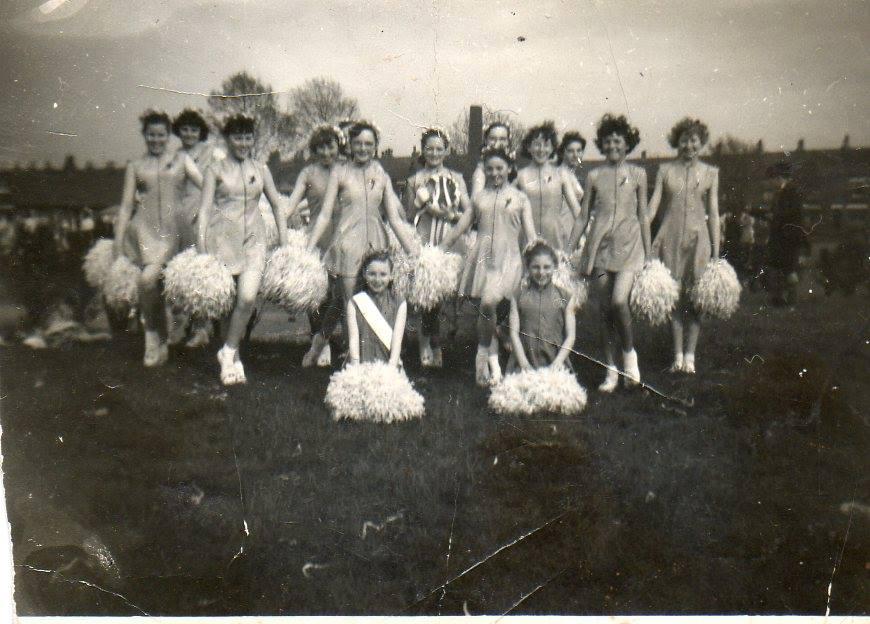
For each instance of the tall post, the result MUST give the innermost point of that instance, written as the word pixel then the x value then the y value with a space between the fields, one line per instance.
pixel 475 138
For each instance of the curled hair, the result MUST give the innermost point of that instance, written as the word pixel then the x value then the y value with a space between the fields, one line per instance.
pixel 190 117
pixel 545 131
pixel 692 126
pixel 536 248
pixel 375 255
pixel 496 124
pixel 616 125
pixel 428 133
pixel 497 152
pixel 239 124
pixel 361 126
pixel 324 135
pixel 570 137
pixel 153 117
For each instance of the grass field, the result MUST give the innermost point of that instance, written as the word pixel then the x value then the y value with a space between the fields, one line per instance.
pixel 168 494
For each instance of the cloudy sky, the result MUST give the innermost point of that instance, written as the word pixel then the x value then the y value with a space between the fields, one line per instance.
pixel 772 69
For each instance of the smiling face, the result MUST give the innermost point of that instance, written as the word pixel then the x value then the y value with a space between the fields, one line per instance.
pixel 573 154
pixel 496 170
pixel 615 148
pixel 363 146
pixel 498 137
pixel 326 153
pixel 541 268
pixel 690 145
pixel 378 274
pixel 156 138
pixel 189 135
pixel 541 150
pixel 241 144
pixel 434 151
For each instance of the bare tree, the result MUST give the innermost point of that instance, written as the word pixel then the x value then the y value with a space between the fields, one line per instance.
pixel 242 93
pixel 320 100
pixel 459 129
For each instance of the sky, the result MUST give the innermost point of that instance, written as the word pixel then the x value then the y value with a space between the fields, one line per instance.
pixel 76 74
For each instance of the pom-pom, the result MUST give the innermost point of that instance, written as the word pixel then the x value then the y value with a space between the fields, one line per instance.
pixel 98 261
pixel 538 390
pixel 199 285
pixel 403 263
pixel 717 291
pixel 373 391
pixel 654 293
pixel 435 278
pixel 296 238
pixel 295 279
pixel 565 277
pixel 121 286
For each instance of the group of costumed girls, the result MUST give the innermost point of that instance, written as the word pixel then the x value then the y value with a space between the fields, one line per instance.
pixel 532 225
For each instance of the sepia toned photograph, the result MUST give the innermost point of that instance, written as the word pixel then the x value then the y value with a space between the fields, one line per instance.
pixel 436 308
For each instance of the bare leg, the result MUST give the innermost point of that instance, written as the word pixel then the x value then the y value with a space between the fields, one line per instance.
pixel 232 371
pixel 153 315
pixel 604 292
pixel 622 319
pixel 691 341
pixel 677 333
pixel 485 337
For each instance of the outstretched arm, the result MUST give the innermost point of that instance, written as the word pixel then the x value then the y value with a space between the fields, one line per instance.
pixel 192 171
pixel 325 211
pixel 583 220
pixel 527 219
pixel 205 207
pixel 393 208
pixel 298 193
pixel 277 203
pixel 126 210
pixel 516 342
pixel 570 194
pixel 642 215
pixel 570 335
pixel 713 214
pixel 462 226
pixel 656 199
pixel 398 334
pixel 352 333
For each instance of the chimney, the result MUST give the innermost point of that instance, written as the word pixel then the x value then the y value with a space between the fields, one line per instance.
pixel 475 131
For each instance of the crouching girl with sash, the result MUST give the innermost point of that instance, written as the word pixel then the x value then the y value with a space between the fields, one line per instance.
pixel 376 315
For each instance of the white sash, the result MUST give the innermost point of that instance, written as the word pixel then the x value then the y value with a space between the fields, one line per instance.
pixel 374 318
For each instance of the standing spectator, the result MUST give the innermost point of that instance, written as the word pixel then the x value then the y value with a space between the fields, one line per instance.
pixel 745 243
pixel 786 235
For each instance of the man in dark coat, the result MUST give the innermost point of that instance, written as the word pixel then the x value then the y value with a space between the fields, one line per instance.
pixel 786 235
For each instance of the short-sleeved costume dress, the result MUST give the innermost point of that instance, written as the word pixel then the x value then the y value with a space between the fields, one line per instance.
pixel 152 236
pixel 236 233
pixel 543 187
pixel 683 240
pixel 371 349
pixel 542 324
pixel 360 226
pixel 614 240
pixel 494 267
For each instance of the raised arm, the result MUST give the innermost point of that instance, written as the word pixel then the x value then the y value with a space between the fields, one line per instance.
pixel 570 335
pixel 713 214
pixel 325 211
pixel 192 171
pixel 125 211
pixel 205 207
pixel 352 333
pixel 277 203
pixel 642 214
pixel 398 334
pixel 656 199
pixel 516 342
